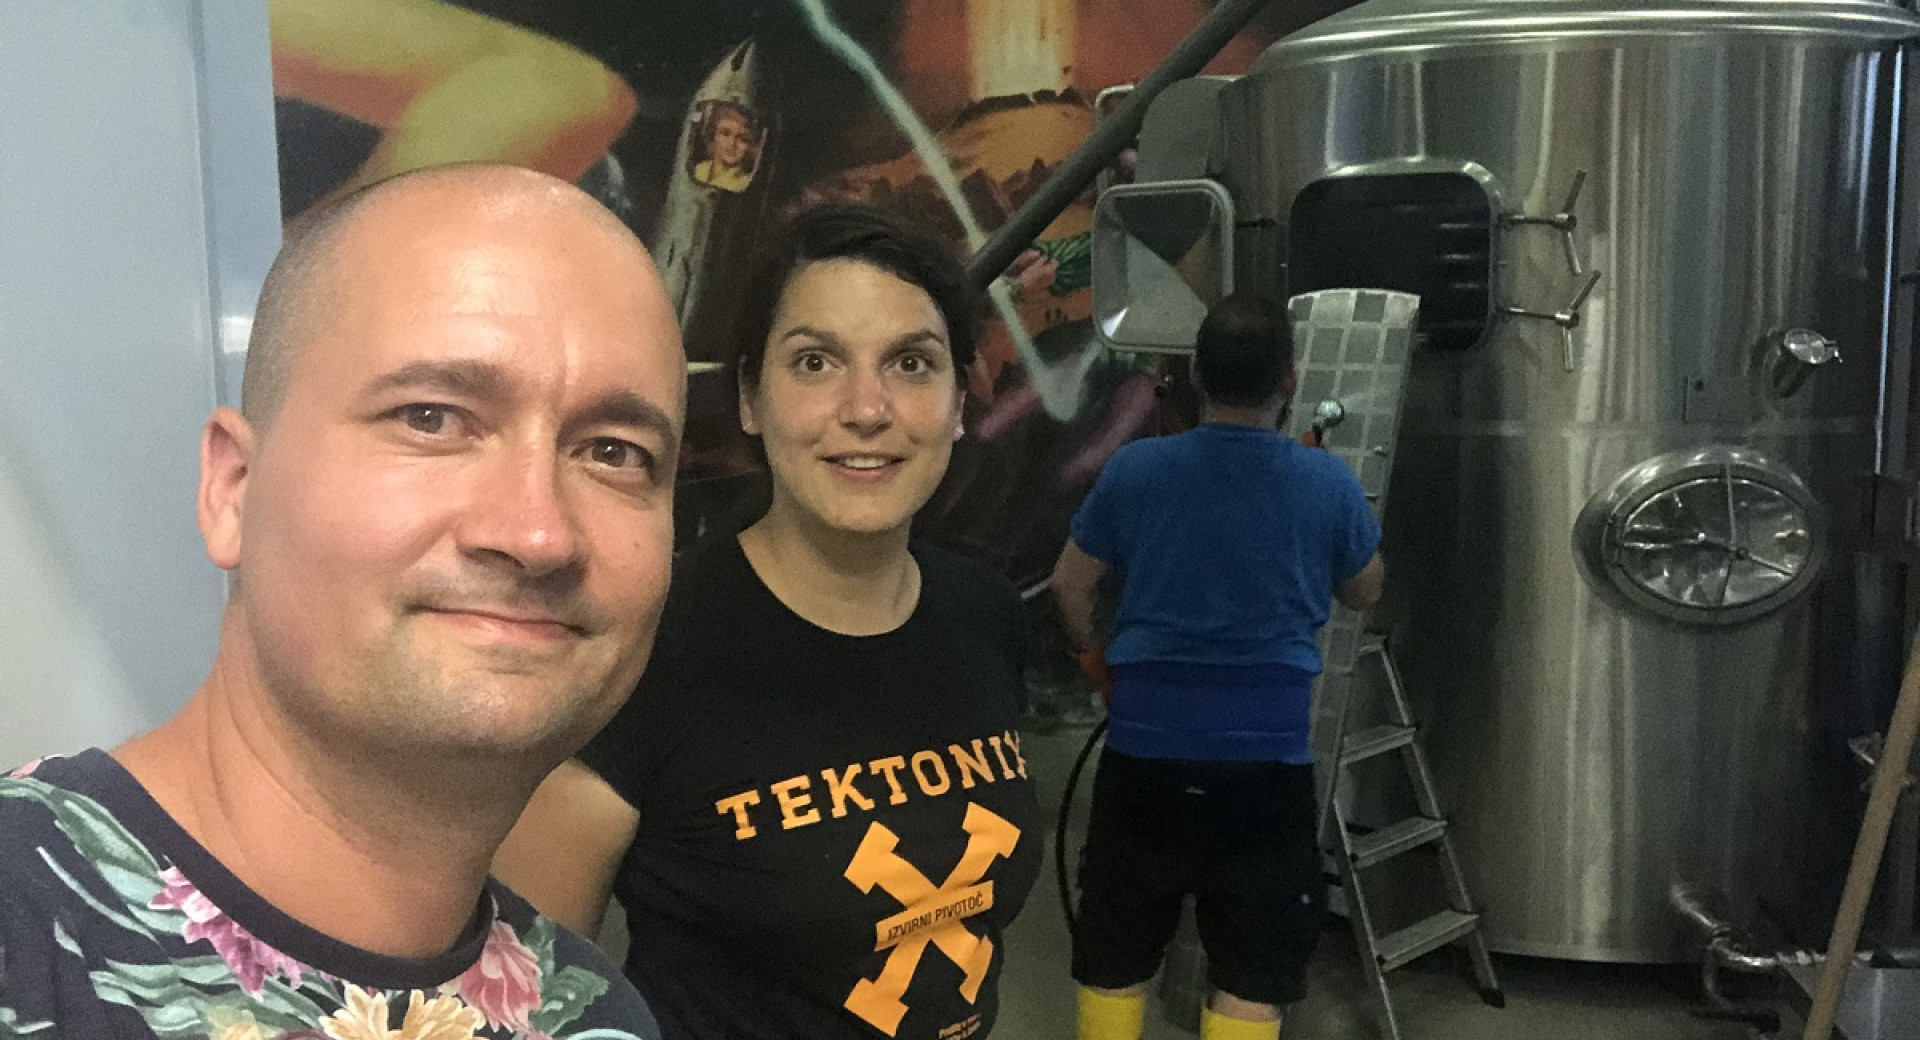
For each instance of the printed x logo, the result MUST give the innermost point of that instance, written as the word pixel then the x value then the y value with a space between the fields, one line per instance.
pixel 931 916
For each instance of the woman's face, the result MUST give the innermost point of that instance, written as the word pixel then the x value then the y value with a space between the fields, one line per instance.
pixel 858 403
pixel 731 137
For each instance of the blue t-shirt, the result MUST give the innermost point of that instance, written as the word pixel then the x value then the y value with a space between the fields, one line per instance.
pixel 1228 541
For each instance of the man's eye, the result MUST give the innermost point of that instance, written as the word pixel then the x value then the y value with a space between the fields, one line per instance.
pixel 426 418
pixel 618 454
pixel 913 364
pixel 810 363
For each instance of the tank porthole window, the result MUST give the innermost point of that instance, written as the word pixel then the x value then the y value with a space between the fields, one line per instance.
pixel 1711 536
pixel 1430 233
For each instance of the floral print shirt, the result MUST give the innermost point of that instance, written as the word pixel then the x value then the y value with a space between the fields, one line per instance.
pixel 115 923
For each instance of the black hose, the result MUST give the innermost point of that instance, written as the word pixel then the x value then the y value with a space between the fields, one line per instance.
pixel 1060 828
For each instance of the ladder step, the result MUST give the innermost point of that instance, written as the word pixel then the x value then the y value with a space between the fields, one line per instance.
pixel 1388 842
pixel 1419 939
pixel 1371 743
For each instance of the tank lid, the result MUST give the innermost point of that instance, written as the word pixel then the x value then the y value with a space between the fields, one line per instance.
pixel 1390 24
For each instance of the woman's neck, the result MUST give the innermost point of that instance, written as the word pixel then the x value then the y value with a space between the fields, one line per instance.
pixel 852 584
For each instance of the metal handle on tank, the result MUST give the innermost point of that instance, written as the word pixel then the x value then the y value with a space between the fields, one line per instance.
pixel 1568 318
pixel 1565 221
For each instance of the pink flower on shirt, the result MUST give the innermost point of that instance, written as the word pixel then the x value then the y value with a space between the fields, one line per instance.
pixel 504 984
pixel 250 960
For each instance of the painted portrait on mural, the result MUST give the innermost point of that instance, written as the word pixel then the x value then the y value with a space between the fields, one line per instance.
pixel 729 147
pixel 703 121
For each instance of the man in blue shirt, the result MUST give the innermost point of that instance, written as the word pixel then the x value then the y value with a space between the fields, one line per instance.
pixel 1229 543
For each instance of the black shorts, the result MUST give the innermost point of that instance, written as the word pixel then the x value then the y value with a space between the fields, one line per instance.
pixel 1238 836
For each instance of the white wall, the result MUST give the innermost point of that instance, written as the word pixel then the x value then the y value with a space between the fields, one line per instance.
pixel 138 212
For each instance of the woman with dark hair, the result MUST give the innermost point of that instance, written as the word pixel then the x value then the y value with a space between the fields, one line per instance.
pixel 814 808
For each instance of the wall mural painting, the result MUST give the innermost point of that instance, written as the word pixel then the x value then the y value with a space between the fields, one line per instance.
pixel 700 122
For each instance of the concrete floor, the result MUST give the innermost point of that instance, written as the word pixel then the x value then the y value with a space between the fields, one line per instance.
pixel 1434 998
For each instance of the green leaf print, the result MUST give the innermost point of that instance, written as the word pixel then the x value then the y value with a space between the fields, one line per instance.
pixel 11 1025
pixel 88 823
pixel 565 995
pixel 540 940
pixel 122 860
pixel 66 942
pixel 110 913
pixel 177 999
pixel 1075 257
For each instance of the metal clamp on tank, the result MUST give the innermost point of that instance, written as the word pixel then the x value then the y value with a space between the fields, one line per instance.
pixel 1568 318
pixel 1564 221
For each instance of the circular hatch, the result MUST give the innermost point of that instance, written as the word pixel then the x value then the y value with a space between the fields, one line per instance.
pixel 1708 536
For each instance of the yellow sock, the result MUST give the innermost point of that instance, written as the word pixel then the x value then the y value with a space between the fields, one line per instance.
pixel 1216 1026
pixel 1106 1017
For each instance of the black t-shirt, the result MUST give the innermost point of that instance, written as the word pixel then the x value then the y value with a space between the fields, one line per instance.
pixel 834 830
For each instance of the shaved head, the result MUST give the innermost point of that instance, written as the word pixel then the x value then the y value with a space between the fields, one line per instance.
pixel 303 285
pixel 449 497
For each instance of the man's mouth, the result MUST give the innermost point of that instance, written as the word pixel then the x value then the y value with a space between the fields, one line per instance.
pixel 510 624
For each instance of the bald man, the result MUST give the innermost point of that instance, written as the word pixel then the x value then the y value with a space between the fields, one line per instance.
pixel 446 509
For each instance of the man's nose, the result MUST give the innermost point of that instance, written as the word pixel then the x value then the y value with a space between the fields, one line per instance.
pixel 521 512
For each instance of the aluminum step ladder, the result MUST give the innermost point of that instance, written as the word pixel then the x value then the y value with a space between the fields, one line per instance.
pixel 1351 350
pixel 1356 852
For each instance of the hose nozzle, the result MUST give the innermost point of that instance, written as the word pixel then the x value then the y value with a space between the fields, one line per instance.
pixel 1326 415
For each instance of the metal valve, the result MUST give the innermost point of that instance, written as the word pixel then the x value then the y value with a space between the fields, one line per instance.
pixel 1796 354
pixel 1568 317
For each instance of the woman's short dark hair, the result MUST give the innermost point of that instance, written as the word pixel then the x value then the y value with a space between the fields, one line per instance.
pixel 1244 350
pixel 869 235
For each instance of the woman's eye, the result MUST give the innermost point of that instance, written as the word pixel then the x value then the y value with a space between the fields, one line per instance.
pixel 918 364
pixel 811 363
pixel 426 418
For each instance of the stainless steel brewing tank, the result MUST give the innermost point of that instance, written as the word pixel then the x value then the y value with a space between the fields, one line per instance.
pixel 1737 156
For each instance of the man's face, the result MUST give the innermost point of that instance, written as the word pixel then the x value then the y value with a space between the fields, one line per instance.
pixel 458 527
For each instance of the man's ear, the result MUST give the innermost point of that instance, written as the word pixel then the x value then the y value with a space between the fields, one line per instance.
pixel 227 446
pixel 1290 385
